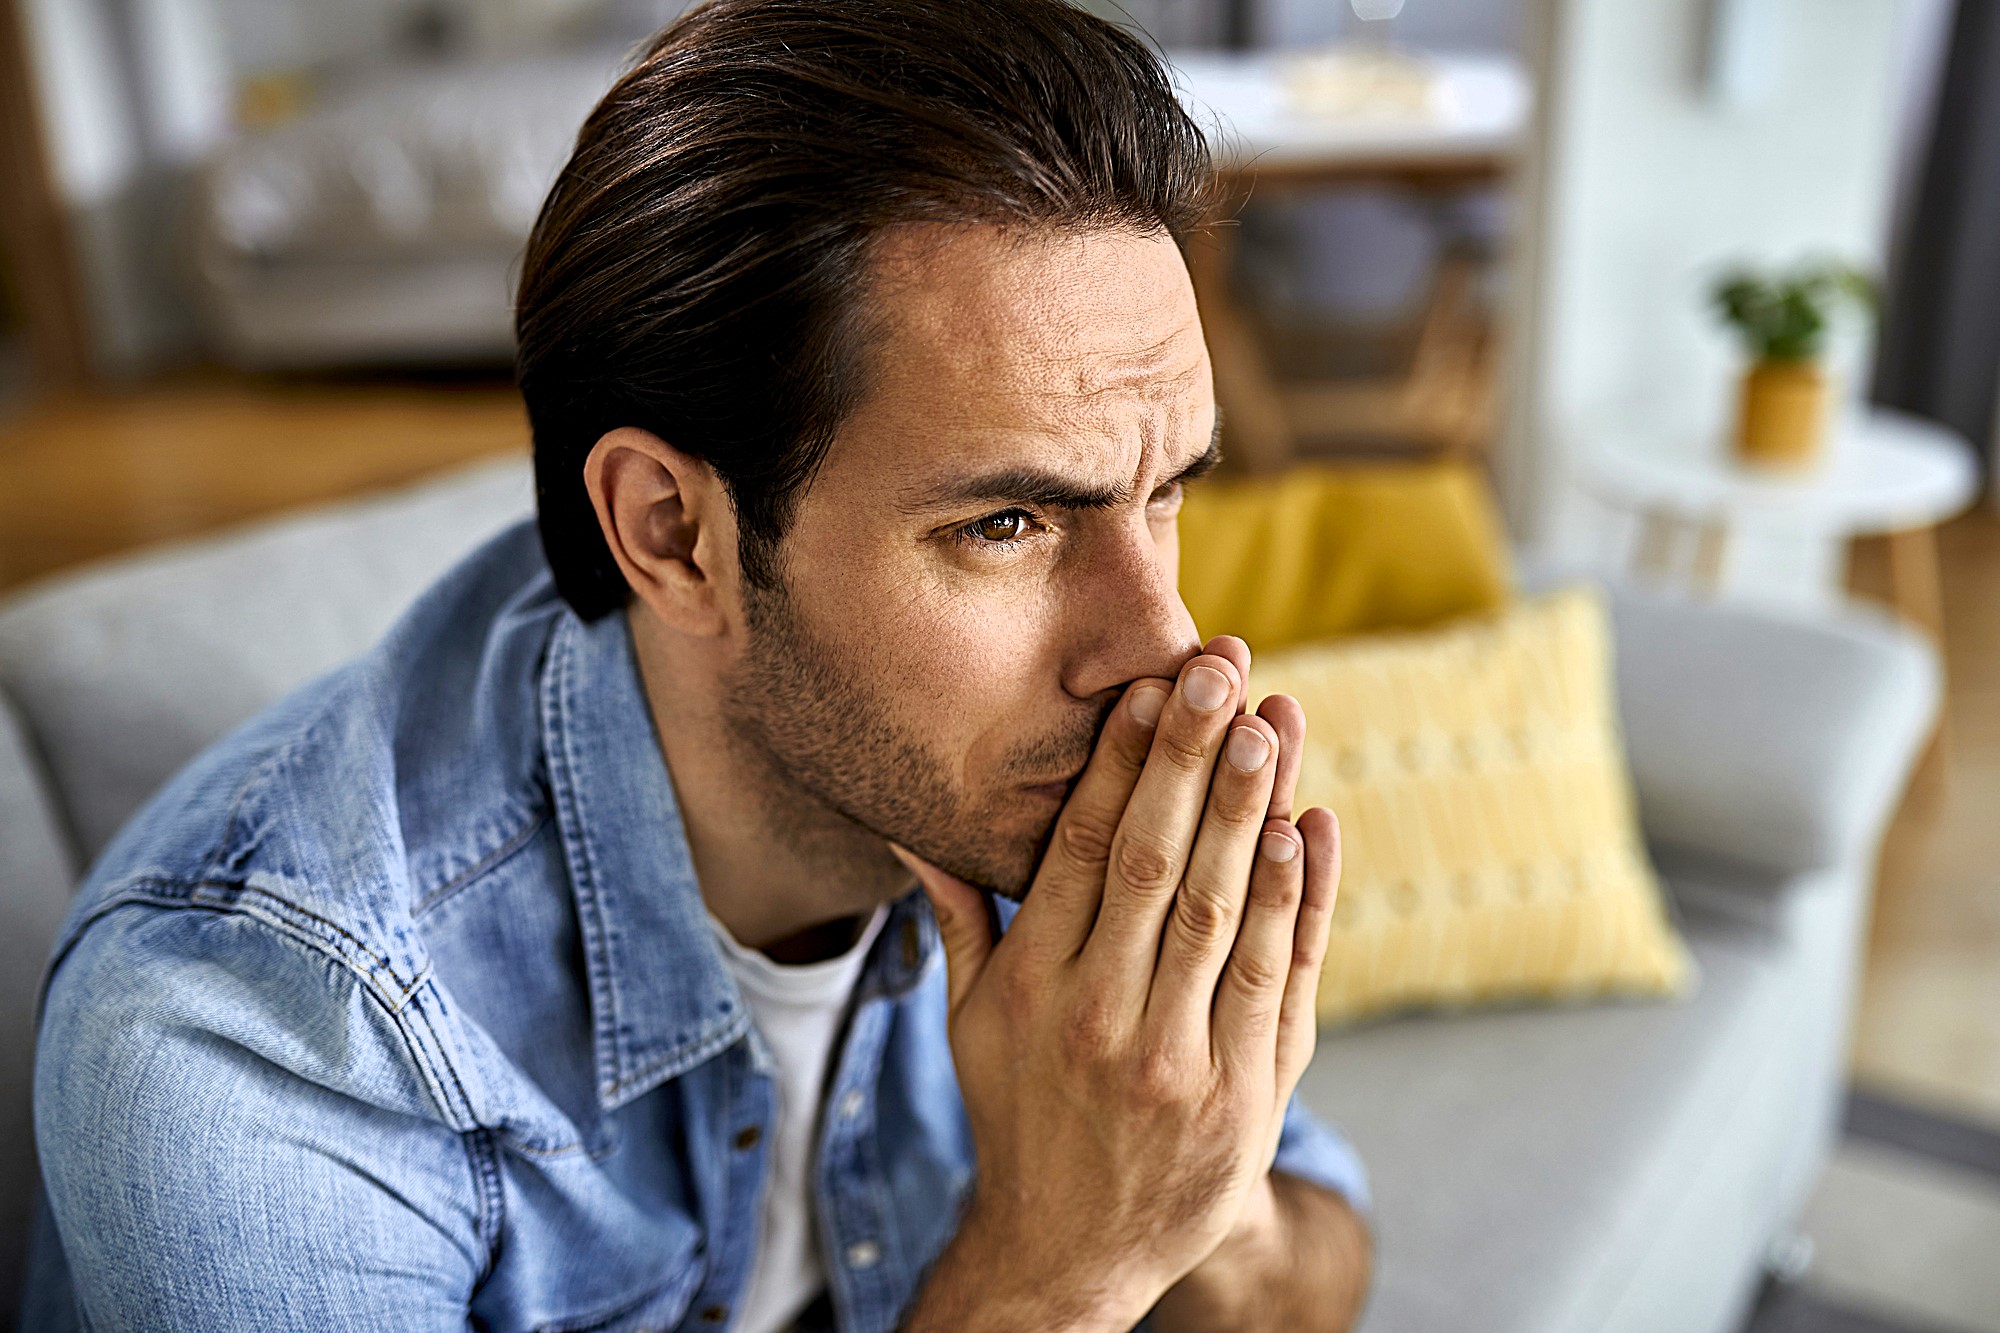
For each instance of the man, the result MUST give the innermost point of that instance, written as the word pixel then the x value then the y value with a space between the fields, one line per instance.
pixel 558 965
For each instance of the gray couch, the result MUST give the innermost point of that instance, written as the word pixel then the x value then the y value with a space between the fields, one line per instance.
pixel 1572 1170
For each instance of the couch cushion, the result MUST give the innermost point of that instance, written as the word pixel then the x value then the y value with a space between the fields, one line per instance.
pixel 35 878
pixel 1491 851
pixel 1324 551
pixel 1775 737
pixel 1529 1167
pixel 125 671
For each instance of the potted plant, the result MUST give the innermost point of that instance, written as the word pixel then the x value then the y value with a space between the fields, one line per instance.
pixel 1783 320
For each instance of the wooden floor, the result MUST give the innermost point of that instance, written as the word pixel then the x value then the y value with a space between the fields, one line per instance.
pixel 88 477
pixel 85 477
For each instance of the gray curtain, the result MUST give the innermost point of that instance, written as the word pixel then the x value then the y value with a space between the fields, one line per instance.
pixel 1940 349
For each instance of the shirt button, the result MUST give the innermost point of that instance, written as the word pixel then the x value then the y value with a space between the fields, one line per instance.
pixel 715 1314
pixel 863 1254
pixel 851 1103
pixel 748 1138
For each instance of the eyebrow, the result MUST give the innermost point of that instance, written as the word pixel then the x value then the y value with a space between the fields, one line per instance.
pixel 1053 490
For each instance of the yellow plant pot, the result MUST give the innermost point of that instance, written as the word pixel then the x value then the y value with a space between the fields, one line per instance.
pixel 1781 414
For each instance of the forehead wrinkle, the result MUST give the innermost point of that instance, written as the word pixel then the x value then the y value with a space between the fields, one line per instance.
pixel 1155 424
pixel 1149 372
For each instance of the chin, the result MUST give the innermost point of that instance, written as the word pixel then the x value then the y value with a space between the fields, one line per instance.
pixel 1005 860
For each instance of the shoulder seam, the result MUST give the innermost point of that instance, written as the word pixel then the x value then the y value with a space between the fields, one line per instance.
pixel 426 1050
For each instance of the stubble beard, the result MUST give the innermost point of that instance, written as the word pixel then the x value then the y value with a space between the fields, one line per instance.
pixel 832 746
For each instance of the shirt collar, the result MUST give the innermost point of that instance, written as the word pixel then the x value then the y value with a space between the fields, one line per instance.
pixel 661 999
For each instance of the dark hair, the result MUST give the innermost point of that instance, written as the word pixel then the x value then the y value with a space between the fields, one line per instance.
pixel 700 267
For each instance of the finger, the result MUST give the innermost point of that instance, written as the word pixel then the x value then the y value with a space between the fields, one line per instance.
pixel 1202 927
pixel 961 916
pixel 1149 850
pixel 1298 1021
pixel 1056 915
pixel 1282 711
pixel 1237 654
pixel 1251 992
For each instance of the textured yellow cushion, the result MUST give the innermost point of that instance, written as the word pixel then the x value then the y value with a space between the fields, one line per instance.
pixel 1325 551
pixel 1490 843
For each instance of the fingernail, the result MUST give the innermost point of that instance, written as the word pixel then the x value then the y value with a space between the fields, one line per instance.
pixel 1206 688
pixel 1247 749
pixel 1147 701
pixel 1277 847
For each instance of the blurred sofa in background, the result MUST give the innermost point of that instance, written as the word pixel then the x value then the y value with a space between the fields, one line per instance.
pixel 1612 1168
pixel 384 222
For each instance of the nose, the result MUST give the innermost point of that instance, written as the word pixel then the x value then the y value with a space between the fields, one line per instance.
pixel 1130 620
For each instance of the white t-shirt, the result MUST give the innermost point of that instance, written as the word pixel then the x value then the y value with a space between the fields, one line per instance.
pixel 798 1007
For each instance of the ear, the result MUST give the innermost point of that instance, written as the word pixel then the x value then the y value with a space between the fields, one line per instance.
pixel 669 523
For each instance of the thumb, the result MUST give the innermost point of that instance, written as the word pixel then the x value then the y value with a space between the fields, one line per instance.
pixel 961 918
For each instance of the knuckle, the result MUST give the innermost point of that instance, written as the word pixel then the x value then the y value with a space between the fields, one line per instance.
pixel 1205 919
pixel 1090 1030
pixel 1254 975
pixel 1311 934
pixel 1145 864
pixel 1185 751
pixel 1020 991
pixel 1238 805
pixel 1159 1076
pixel 1276 892
pixel 1086 835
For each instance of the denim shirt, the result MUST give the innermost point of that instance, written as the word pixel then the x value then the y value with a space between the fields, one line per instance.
pixel 397 1009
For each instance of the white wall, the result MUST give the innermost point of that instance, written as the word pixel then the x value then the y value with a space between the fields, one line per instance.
pixel 126 86
pixel 186 86
pixel 130 92
pixel 86 111
pixel 1454 25
pixel 1645 184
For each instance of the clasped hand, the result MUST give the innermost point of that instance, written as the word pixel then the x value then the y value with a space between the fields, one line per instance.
pixel 1127 1049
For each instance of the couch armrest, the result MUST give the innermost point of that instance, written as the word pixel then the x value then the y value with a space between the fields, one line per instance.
pixel 1776 738
pixel 37 872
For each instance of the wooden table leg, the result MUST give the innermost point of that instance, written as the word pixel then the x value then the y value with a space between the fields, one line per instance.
pixel 1255 427
pixel 1711 557
pixel 1916 590
pixel 1658 536
pixel 1915 580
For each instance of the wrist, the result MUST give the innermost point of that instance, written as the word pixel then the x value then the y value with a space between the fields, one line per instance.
pixel 1225 1290
pixel 987 1279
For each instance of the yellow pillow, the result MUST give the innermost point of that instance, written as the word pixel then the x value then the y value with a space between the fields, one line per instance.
pixel 1490 845
pixel 1325 551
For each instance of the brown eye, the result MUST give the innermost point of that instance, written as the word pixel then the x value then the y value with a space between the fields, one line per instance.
pixel 1003 527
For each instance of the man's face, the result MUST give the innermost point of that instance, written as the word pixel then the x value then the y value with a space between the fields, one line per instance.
pixel 988 553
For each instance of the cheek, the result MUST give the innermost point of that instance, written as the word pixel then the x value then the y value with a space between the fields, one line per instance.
pixel 969 675
pixel 984 667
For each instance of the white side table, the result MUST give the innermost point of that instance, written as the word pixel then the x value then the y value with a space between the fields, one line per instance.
pixel 1889 475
